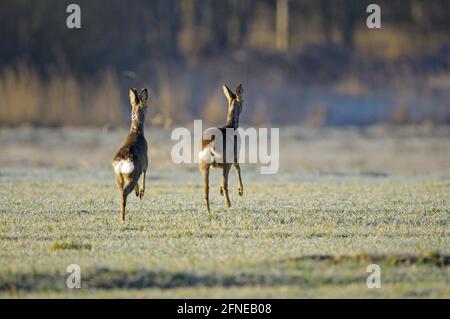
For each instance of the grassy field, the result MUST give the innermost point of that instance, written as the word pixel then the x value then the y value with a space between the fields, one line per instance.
pixel 295 234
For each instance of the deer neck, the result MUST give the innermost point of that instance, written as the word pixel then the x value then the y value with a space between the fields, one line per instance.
pixel 137 126
pixel 232 120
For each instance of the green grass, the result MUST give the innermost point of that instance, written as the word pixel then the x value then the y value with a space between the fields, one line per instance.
pixel 291 235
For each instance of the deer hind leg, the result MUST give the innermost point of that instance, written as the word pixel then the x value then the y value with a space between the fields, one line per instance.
pixel 120 186
pixel 225 172
pixel 142 190
pixel 123 198
pixel 204 168
pixel 240 186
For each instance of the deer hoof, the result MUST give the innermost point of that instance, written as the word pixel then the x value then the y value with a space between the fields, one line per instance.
pixel 141 193
pixel 221 191
pixel 241 191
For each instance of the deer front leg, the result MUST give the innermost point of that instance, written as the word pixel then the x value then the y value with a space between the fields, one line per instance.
pixel 204 168
pixel 225 171
pixel 136 190
pixel 240 186
pixel 142 190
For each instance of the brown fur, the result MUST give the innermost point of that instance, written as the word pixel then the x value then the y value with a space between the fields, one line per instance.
pixel 234 110
pixel 134 149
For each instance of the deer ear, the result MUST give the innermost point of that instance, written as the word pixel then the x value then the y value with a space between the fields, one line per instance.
pixel 143 96
pixel 227 92
pixel 134 100
pixel 239 91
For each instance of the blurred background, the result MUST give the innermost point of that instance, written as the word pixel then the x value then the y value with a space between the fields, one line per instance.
pixel 303 63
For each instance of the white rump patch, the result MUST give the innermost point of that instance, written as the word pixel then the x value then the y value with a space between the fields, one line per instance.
pixel 208 154
pixel 123 167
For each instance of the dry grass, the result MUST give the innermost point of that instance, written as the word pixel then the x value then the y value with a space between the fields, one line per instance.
pixel 22 95
pixel 215 112
pixel 181 94
pixel 171 101
pixel 59 100
pixel 393 41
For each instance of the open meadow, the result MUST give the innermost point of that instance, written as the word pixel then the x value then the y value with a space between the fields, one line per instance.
pixel 343 199
pixel 360 93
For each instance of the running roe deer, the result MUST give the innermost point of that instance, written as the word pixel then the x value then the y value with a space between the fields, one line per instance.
pixel 209 155
pixel 130 161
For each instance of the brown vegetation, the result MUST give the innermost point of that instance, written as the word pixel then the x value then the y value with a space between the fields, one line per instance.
pixel 311 62
pixel 59 100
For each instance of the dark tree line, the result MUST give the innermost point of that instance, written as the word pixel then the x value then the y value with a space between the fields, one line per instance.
pixel 118 33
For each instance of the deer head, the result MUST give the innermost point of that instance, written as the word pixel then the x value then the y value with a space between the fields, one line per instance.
pixel 138 110
pixel 234 105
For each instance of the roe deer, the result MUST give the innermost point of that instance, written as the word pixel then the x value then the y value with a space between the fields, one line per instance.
pixel 209 154
pixel 130 161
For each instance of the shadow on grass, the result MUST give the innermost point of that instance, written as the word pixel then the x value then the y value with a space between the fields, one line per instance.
pixel 433 258
pixel 107 278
